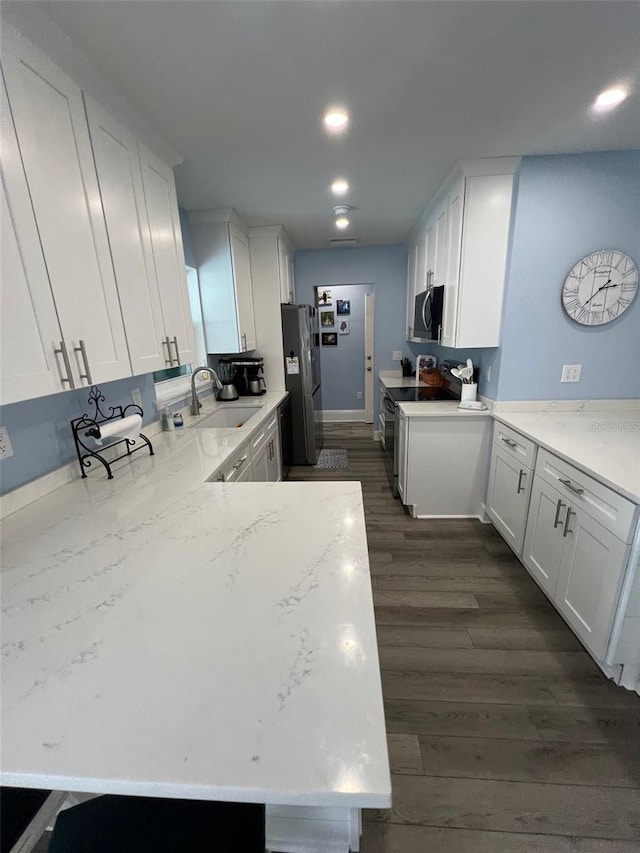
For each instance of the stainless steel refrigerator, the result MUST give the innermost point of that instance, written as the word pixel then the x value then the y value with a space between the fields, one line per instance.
pixel 301 344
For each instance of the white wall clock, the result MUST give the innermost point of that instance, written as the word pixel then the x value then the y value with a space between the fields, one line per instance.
pixel 600 287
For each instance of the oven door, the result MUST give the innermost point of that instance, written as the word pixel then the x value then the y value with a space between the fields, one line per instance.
pixel 390 436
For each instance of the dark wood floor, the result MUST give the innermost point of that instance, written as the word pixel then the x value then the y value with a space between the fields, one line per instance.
pixel 504 736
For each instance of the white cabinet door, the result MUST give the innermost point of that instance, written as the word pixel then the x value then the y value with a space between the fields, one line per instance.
pixel 402 451
pixel 285 268
pixel 53 138
pixel 544 541
pixel 452 264
pixel 274 461
pixel 168 255
pixel 411 287
pixel 292 278
pixel 244 288
pixel 118 167
pixel 30 332
pixel 508 497
pixel 590 578
pixel 441 227
pixel 260 466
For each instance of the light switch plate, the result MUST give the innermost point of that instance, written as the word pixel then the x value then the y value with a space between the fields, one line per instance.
pixel 5 444
pixel 396 355
pixel 571 372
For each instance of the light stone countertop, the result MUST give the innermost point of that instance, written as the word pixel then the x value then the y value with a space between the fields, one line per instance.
pixel 395 379
pixel 604 445
pixel 170 637
pixel 440 408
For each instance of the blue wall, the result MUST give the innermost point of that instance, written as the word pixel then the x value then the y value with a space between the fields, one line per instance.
pixel 40 433
pixel 568 206
pixel 383 266
pixel 343 366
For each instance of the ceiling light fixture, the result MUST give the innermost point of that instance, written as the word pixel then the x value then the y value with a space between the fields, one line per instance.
pixel 339 187
pixel 336 120
pixel 610 98
pixel 342 222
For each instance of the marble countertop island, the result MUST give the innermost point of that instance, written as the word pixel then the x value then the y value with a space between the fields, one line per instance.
pixel 169 637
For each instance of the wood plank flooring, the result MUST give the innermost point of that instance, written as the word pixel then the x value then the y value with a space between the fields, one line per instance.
pixel 504 736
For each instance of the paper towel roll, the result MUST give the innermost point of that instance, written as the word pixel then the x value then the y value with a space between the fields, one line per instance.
pixel 128 427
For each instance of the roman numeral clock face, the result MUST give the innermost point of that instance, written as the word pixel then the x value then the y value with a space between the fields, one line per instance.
pixel 600 287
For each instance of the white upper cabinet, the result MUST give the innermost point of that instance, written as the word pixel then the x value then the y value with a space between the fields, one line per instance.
pixel 465 232
pixel 221 247
pixel 31 336
pixel 55 150
pixel 168 256
pixel 116 156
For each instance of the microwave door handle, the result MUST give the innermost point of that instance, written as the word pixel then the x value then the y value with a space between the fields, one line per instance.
pixel 427 301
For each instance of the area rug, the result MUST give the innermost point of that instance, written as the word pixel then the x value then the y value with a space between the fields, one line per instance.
pixel 332 459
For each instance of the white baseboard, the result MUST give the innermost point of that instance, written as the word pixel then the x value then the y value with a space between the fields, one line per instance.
pixel 338 415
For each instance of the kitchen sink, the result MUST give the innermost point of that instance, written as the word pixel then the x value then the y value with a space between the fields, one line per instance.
pixel 229 417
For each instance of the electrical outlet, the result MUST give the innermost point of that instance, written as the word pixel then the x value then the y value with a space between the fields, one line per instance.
pixel 205 376
pixel 571 372
pixel 137 397
pixel 487 373
pixel 359 395
pixel 5 444
pixel 396 355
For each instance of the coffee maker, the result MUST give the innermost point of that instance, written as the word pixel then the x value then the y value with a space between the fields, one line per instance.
pixel 248 375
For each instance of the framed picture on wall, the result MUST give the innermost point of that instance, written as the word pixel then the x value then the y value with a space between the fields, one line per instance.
pixel 425 362
pixel 327 318
pixel 343 327
pixel 343 307
pixel 324 296
pixel 329 339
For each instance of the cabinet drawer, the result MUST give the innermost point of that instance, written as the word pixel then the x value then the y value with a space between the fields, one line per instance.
pixel 521 448
pixel 614 512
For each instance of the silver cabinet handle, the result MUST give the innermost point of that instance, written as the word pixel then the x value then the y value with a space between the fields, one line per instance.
pixel 509 442
pixel 556 521
pixel 175 343
pixel 520 476
pixel 239 463
pixel 165 343
pixel 87 371
pixel 570 485
pixel 67 364
pixel 566 530
pixel 244 342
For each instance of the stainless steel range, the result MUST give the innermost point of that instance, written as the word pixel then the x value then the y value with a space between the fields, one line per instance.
pixel 451 389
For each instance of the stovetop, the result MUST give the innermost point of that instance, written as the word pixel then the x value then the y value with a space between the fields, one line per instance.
pixel 421 395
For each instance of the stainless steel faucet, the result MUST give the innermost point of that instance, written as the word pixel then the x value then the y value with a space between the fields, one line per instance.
pixel 196 405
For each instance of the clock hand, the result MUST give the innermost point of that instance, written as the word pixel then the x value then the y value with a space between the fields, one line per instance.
pixel 598 291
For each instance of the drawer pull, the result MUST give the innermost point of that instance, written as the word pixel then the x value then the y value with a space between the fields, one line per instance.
pixel 509 442
pixel 570 485
pixel 67 366
pixel 87 371
pixel 239 463
pixel 520 476
pixel 556 521
pixel 566 530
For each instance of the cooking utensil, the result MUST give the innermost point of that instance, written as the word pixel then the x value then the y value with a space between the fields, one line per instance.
pixel 466 374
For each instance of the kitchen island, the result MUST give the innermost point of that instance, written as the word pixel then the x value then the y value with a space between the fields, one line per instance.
pixel 168 637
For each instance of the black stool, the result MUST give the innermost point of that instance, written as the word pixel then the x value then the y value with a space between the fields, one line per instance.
pixel 119 824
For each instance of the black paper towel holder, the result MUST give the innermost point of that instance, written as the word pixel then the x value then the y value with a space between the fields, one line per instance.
pixel 89 427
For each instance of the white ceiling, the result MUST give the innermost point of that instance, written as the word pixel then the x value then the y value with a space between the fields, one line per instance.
pixel 239 89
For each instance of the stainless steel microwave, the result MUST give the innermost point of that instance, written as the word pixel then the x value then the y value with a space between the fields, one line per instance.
pixel 427 318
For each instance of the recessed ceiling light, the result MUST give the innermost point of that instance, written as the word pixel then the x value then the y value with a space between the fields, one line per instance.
pixel 339 187
pixel 336 120
pixel 610 98
pixel 342 222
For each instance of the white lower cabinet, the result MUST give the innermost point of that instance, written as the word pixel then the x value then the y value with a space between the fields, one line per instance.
pixel 265 452
pixel 577 539
pixel 589 580
pixel 442 463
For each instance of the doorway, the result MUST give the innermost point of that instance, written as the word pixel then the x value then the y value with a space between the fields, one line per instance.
pixel 347 351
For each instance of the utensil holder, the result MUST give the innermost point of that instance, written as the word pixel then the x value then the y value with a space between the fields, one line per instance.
pixel 469 391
